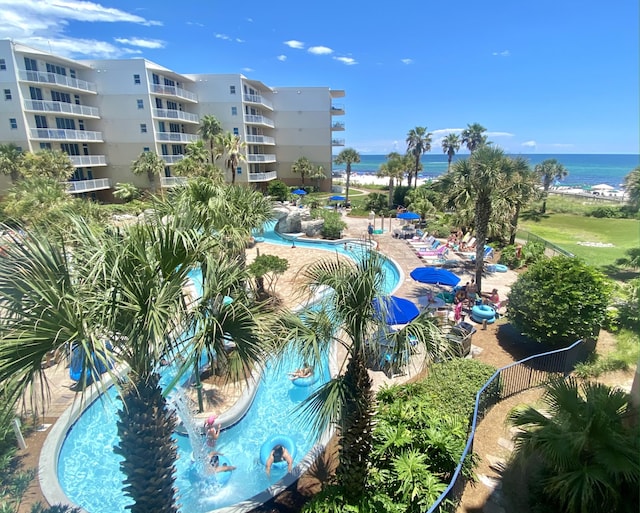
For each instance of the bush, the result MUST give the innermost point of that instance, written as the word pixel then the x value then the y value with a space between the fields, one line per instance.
pixel 608 212
pixel 278 190
pixel 376 202
pixel 532 252
pixel 333 223
pixel 509 257
pixel 559 300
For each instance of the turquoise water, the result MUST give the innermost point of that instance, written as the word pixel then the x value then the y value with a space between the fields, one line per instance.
pixel 584 170
pixel 89 472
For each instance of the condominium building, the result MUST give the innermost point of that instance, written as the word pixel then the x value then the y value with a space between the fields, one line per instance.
pixel 105 113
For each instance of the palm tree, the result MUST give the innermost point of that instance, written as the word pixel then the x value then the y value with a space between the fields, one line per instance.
pixel 11 161
pixel 47 163
pixel 36 200
pixel 126 192
pixel 588 451
pixel 394 168
pixel 549 171
pixel 302 166
pixel 210 128
pixel 473 136
pixel 196 163
pixel 450 145
pixel 347 156
pixel 231 147
pixel 632 188
pixel 317 173
pixel 522 189
pixel 149 163
pixel 347 316
pixel 418 142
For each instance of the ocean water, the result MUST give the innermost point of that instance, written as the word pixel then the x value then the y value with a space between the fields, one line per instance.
pixel 584 170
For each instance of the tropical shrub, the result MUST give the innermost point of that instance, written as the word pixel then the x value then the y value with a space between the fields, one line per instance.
pixel 278 190
pixel 509 257
pixel 376 202
pixel 267 267
pixel 399 193
pixel 333 224
pixel 532 252
pixel 559 300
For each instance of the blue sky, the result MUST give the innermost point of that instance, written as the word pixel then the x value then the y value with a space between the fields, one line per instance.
pixel 543 77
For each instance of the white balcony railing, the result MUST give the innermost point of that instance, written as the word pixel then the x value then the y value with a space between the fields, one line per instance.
pixel 166 90
pixel 338 125
pixel 253 158
pixel 167 182
pixel 65 135
pixel 259 120
pixel 176 137
pixel 88 160
pixel 256 98
pixel 63 108
pixel 172 159
pixel 337 142
pixel 337 109
pixel 176 114
pixel 42 77
pixel 259 139
pixel 79 186
pixel 263 177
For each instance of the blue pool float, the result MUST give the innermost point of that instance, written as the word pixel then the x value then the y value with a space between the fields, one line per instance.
pixel 480 313
pixel 267 447
pixel 306 382
pixel 499 268
pixel 222 478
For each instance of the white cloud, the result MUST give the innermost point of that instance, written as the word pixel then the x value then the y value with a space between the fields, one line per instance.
pixel 281 58
pixel 292 43
pixel 504 53
pixel 320 50
pixel 43 24
pixel 346 60
pixel 406 61
pixel 142 43
pixel 248 70
pixel 222 36
pixel 498 134
pixel 195 23
pixel 529 144
pixel 250 20
pixel 443 132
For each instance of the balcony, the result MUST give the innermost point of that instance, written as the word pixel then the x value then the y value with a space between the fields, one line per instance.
pixel 167 182
pixel 88 160
pixel 165 90
pixel 60 134
pixel 176 114
pixel 61 108
pixel 337 126
pixel 258 120
pixel 176 137
pixel 263 177
pixel 257 158
pixel 259 139
pixel 337 110
pixel 172 159
pixel 41 77
pixel 80 186
pixel 337 142
pixel 257 99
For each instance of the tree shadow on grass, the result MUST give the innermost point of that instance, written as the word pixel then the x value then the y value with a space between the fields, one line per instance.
pixel 533 215
pixel 619 273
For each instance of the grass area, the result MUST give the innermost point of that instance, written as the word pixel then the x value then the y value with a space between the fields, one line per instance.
pixel 624 356
pixel 566 230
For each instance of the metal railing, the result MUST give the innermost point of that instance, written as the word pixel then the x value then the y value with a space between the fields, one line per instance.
pixel 79 186
pixel 254 158
pixel 176 114
pixel 167 90
pixel 167 182
pixel 172 159
pixel 529 373
pixel 65 135
pixel 176 137
pixel 263 177
pixel 53 78
pixel 61 107
pixel 259 139
pixel 258 120
pixel 550 246
pixel 88 160
pixel 257 98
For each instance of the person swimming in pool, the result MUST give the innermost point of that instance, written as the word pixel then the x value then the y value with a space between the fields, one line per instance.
pixel 214 461
pixel 279 453
pixel 305 371
pixel 211 431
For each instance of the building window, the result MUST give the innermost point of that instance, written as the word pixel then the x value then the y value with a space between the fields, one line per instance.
pixel 143 128
pixel 236 131
pixel 81 124
pixel 7 94
pixel 14 123
pixel 72 73
pixel 65 124
pixel 58 70
pixel 158 103
pixel 30 64
pixel 232 89
pixel 45 146
pixel 234 111
pixel 57 96
pixel 3 64
pixel 140 104
pixel 41 122
pixel 136 79
pixel 146 149
pixel 35 93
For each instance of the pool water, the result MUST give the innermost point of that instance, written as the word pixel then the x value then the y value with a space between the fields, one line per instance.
pixel 88 469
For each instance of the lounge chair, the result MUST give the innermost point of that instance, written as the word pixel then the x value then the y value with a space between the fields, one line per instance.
pixel 425 246
pixel 439 252
pixel 471 255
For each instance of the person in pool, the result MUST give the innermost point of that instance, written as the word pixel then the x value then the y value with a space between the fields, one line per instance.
pixel 211 431
pixel 279 453
pixel 214 461
pixel 304 372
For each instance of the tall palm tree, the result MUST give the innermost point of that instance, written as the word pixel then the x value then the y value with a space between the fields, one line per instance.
pixel 347 317
pixel 210 127
pixel 394 168
pixel 521 190
pixel 347 157
pixel 196 163
pixel 303 167
pixel 232 148
pixel 450 145
pixel 317 173
pixel 587 448
pixel 54 164
pixel 632 188
pixel 11 161
pixel 549 171
pixel 473 136
pixel 149 163
pixel 418 142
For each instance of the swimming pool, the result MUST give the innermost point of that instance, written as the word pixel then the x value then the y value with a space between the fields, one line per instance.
pixel 89 472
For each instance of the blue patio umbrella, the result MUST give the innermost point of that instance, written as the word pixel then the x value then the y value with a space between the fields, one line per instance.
pixel 337 198
pixel 435 276
pixel 408 215
pixel 397 310
pixel 299 192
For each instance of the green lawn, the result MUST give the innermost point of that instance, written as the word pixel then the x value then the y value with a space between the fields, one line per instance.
pixel 566 230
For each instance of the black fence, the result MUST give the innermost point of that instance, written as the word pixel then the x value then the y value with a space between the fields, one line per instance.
pixel 529 373
pixel 550 247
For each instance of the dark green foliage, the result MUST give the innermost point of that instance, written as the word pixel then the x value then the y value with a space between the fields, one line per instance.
pixel 278 190
pixel 623 212
pixel 399 193
pixel 56 508
pixel 532 252
pixel 265 264
pixel 13 481
pixel 333 224
pixel 376 202
pixel 559 301
pixel 509 257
